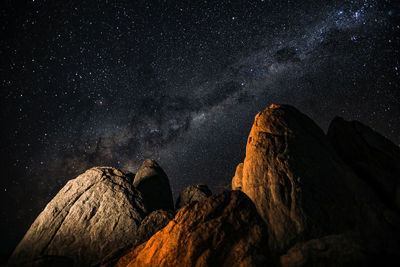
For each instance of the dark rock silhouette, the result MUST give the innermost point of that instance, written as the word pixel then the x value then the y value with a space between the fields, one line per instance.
pixel 92 216
pixel 192 193
pixel 223 230
pixel 301 188
pixel 153 184
pixel 373 157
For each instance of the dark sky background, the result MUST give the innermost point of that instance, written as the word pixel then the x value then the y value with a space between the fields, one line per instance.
pixel 86 83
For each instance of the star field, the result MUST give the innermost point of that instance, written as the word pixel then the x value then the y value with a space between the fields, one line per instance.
pixel 87 83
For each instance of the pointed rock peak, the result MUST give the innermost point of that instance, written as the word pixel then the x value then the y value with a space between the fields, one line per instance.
pixel 198 192
pixel 284 120
pixel 153 184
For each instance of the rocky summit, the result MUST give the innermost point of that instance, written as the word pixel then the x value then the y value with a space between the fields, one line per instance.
pixel 299 198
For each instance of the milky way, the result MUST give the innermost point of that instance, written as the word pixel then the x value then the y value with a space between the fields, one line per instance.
pixel 112 83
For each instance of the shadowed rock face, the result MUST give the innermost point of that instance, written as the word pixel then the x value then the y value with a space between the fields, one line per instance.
pixel 223 230
pixel 91 218
pixel 373 157
pixel 333 250
pixel 198 192
pixel 153 184
pixel 154 222
pixel 301 188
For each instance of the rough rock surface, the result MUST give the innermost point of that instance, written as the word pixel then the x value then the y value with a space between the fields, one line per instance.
pixel 373 157
pixel 154 222
pixel 192 193
pixel 301 188
pixel 89 219
pixel 223 230
pixel 237 179
pixel 153 184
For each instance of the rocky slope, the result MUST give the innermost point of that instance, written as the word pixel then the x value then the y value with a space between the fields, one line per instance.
pixel 223 230
pixel 300 198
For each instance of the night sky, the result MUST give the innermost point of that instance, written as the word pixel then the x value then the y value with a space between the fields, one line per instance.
pixel 87 83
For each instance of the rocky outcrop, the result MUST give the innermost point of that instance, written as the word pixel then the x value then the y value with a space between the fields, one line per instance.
pixel 301 188
pixel 154 222
pixel 198 192
pixel 223 230
pixel 237 179
pixel 91 218
pixel 153 184
pixel 373 157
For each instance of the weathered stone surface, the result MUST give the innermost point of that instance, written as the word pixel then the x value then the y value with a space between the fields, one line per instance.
pixel 373 157
pixel 192 193
pixel 237 179
pixel 301 188
pixel 153 184
pixel 223 230
pixel 154 222
pixel 89 219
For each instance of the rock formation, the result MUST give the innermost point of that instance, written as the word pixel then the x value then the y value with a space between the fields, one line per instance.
pixel 373 157
pixel 153 184
pixel 300 198
pixel 237 179
pixel 192 193
pixel 154 222
pixel 301 188
pixel 223 230
pixel 92 217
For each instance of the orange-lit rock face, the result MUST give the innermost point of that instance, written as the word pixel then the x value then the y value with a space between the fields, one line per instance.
pixel 223 230
pixel 237 179
pixel 300 187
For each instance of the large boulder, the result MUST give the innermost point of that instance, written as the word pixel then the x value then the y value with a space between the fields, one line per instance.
pixel 223 230
pixel 198 192
pixel 153 184
pixel 373 157
pixel 92 217
pixel 301 188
